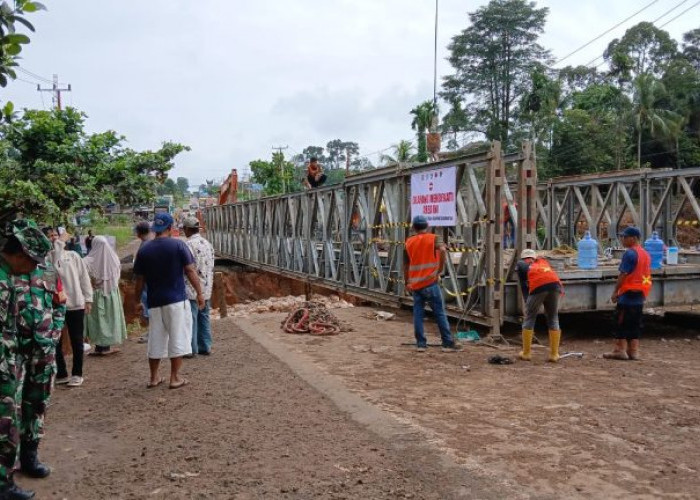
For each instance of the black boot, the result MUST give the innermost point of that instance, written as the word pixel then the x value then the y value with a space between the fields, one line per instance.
pixel 11 491
pixel 29 460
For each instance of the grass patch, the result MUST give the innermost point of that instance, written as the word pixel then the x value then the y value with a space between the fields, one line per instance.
pixel 123 234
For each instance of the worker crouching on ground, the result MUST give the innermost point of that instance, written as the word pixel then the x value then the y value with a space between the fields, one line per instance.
pixel 424 260
pixel 541 286
pixel 632 287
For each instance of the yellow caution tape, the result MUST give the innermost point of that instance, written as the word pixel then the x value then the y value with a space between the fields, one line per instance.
pixel 688 223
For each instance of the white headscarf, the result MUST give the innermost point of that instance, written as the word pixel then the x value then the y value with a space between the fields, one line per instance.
pixel 56 254
pixel 103 265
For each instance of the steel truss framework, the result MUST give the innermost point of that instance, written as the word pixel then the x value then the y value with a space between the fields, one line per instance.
pixel 351 236
pixel 653 200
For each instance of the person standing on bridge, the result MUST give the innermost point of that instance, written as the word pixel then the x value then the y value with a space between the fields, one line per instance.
pixel 162 264
pixel 424 260
pixel 540 285
pixel 631 290
pixel 203 254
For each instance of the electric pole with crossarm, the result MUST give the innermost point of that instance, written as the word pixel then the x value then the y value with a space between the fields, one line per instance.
pixel 56 91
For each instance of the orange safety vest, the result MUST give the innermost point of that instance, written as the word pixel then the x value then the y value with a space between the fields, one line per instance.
pixel 639 280
pixel 423 261
pixel 540 273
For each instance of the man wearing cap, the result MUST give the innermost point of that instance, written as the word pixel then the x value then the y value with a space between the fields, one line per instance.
pixel 162 264
pixel 424 259
pixel 31 319
pixel 540 285
pixel 203 254
pixel 632 287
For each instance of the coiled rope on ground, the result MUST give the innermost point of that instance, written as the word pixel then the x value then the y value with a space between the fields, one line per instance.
pixel 313 318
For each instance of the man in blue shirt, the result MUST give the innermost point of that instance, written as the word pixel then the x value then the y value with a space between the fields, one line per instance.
pixel 632 287
pixel 162 264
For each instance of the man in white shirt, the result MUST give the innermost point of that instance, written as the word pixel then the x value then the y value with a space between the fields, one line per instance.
pixel 203 254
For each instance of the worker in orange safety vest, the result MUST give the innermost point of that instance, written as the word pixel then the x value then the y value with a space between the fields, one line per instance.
pixel 540 285
pixel 631 290
pixel 424 260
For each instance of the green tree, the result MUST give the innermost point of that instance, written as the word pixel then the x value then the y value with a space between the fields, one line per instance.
pixel 691 48
pixel 403 152
pixel 539 106
pixel 493 59
pixel 11 42
pixel 276 176
pixel 341 151
pixel 183 186
pixel 424 116
pixel 51 167
pixel 644 48
pixel 647 115
pixel 582 142
pixel 682 83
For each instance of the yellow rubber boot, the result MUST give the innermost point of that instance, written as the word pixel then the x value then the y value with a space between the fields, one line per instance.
pixel 554 339
pixel 526 354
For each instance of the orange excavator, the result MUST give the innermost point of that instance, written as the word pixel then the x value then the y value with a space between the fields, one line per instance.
pixel 229 189
pixel 227 194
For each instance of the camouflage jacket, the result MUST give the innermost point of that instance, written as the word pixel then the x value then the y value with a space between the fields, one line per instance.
pixel 40 317
pixel 28 311
pixel 8 328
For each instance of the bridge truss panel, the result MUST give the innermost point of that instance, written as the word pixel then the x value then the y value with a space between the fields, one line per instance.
pixel 351 236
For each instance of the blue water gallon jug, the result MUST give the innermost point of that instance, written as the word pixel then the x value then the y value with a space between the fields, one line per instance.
pixel 655 247
pixel 587 252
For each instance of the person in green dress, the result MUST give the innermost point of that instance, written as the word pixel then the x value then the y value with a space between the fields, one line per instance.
pixel 105 326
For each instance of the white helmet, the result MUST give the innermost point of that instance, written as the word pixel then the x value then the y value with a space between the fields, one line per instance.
pixel 528 253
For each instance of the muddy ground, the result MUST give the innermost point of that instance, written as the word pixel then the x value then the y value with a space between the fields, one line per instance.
pixel 584 428
pixel 361 415
pixel 246 427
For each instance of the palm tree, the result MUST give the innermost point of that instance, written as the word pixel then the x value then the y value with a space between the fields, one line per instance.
pixel 647 115
pixel 404 152
pixel 424 117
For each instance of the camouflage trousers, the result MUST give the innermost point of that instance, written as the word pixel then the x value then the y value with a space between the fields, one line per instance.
pixel 25 389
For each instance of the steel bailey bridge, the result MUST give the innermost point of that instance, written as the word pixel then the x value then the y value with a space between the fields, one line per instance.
pixel 350 236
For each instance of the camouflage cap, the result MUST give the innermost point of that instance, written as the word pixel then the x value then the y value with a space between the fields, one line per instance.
pixel 33 241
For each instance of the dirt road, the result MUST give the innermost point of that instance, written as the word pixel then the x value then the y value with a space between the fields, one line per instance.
pixel 584 428
pixel 246 427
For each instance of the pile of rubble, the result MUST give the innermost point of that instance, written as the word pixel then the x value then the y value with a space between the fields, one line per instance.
pixel 280 304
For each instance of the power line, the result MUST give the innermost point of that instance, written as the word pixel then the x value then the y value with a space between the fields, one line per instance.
pixel 33 75
pixel 679 15
pixel 606 32
pixel 653 22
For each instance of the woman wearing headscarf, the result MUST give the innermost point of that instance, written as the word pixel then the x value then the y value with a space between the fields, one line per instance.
pixel 78 288
pixel 105 325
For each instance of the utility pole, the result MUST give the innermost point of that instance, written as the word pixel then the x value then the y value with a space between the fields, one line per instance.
pixel 282 176
pixel 435 56
pixel 56 91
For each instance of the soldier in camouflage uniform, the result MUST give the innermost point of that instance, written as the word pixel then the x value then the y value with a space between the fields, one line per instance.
pixel 31 318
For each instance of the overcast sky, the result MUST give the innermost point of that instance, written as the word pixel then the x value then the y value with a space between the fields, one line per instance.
pixel 234 78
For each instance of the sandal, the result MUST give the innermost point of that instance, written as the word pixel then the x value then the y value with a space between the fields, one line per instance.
pixel 151 385
pixel 181 384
